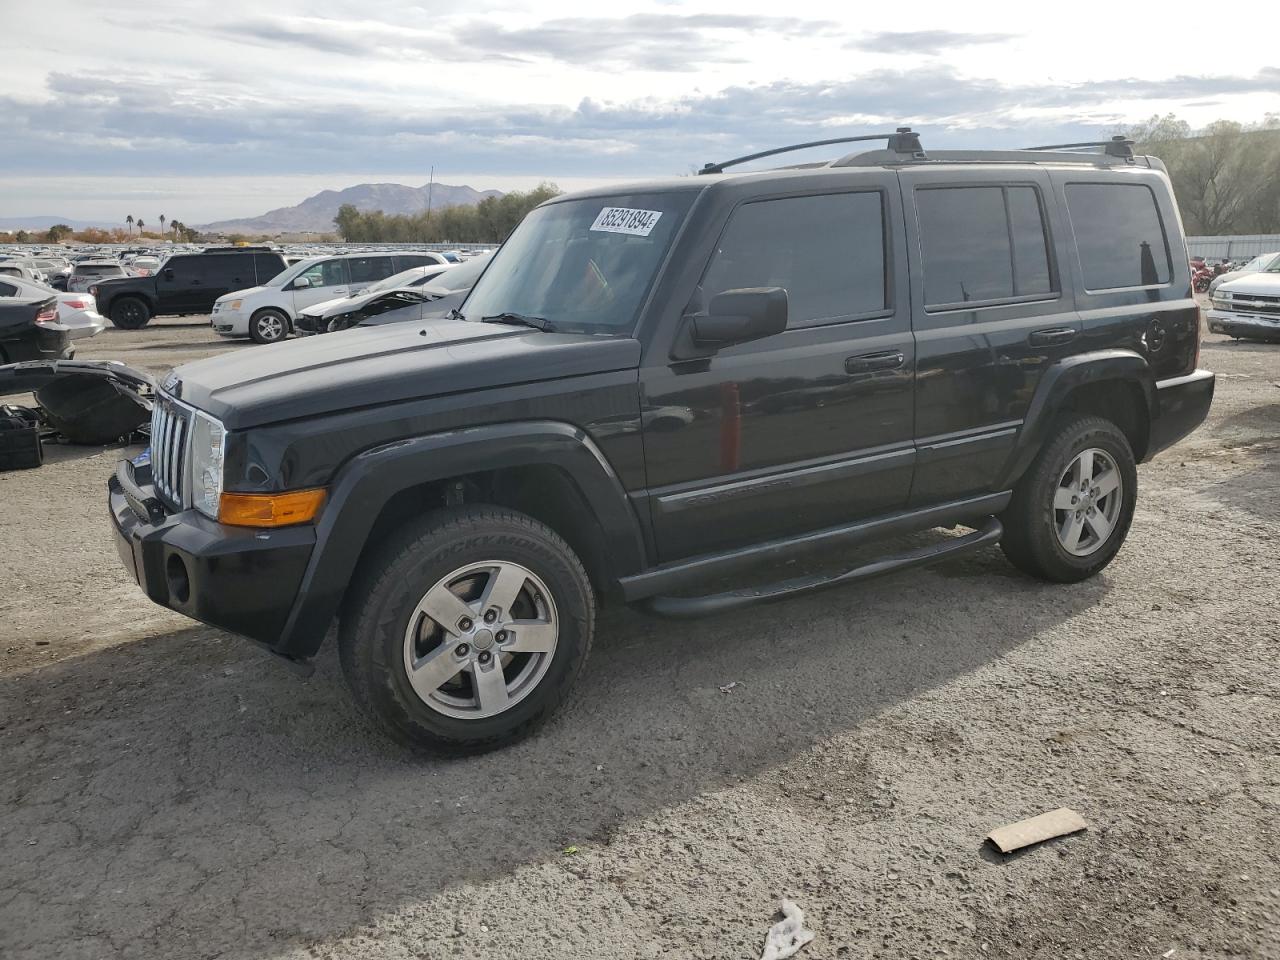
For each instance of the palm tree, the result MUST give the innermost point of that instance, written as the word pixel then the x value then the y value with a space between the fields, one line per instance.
pixel 140 226
pixel 129 221
pixel 162 224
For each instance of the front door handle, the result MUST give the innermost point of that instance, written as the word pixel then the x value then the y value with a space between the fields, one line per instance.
pixel 1049 338
pixel 885 360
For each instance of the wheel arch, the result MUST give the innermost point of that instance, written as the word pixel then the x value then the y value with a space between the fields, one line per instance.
pixel 548 469
pixel 1115 384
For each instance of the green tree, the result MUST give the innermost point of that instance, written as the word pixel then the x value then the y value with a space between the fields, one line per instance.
pixel 489 221
pixel 22 237
pixel 162 224
pixel 58 232
pixel 129 221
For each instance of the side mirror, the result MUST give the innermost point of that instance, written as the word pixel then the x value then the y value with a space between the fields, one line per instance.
pixel 737 316
pixel 300 283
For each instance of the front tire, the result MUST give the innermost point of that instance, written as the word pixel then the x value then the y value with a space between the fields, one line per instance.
pixel 466 631
pixel 268 326
pixel 1071 511
pixel 130 313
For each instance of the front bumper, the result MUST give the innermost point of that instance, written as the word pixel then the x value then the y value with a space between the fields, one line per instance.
pixel 1183 405
pixel 237 578
pixel 1244 325
pixel 230 323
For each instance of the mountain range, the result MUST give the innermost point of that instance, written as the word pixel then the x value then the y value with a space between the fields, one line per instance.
pixel 315 214
pixel 44 223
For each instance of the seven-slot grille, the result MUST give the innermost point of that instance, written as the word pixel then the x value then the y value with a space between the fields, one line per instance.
pixel 170 443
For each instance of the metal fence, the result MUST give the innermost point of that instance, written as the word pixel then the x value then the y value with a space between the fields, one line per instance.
pixel 1233 248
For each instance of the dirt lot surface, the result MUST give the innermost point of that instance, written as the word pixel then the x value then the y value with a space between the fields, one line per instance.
pixel 168 791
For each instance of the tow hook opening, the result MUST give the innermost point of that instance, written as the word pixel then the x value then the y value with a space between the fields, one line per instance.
pixel 179 582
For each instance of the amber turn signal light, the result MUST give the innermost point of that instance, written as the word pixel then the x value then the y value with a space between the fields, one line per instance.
pixel 270 509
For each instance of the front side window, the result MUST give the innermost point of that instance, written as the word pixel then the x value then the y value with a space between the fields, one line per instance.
pixel 1119 236
pixel 326 273
pixel 982 244
pixel 584 265
pixel 827 252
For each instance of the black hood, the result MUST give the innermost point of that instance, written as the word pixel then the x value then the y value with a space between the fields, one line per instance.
pixel 252 386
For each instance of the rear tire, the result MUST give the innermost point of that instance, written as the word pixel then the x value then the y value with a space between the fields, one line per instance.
pixel 430 683
pixel 268 326
pixel 1071 511
pixel 130 313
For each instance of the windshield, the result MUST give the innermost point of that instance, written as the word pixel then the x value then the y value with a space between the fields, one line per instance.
pixel 1273 266
pixel 413 277
pixel 583 265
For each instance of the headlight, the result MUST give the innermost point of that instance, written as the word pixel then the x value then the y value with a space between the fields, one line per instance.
pixel 208 444
pixel 234 304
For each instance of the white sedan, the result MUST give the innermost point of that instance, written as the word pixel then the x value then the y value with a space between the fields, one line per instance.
pixel 78 312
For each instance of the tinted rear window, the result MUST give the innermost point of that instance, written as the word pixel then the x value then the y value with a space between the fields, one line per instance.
pixel 99 270
pixel 827 252
pixel 1119 235
pixel 982 244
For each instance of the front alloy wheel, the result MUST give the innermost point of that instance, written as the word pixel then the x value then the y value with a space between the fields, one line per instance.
pixel 481 639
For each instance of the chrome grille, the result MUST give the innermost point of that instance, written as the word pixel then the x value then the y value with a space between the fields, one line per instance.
pixel 170 436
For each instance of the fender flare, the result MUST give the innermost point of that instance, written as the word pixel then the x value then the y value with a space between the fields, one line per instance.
pixel 152 302
pixel 1060 379
pixel 365 484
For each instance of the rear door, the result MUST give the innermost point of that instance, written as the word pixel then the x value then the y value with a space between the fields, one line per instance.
pixel 989 313
pixel 366 271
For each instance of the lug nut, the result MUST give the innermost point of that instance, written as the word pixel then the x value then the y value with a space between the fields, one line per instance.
pixel 462 650
pixel 484 657
pixel 500 636
pixel 490 616
pixel 465 623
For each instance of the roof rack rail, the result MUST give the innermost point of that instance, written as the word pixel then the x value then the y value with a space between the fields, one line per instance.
pixel 902 141
pixel 1117 146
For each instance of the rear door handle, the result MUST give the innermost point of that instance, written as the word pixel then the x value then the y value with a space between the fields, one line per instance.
pixel 885 360
pixel 1048 338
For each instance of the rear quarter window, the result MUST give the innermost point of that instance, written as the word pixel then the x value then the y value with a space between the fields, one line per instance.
pixel 1119 235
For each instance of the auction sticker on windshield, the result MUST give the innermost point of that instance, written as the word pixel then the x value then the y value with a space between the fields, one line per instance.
pixel 637 223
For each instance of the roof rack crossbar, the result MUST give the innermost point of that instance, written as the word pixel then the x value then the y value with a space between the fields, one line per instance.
pixel 1117 146
pixel 902 140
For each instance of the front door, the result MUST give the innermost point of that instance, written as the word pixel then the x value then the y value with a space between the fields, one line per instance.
pixel 805 429
pixel 326 280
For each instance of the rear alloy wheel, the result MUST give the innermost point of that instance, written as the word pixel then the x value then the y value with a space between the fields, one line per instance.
pixel 1071 511
pixel 466 631
pixel 268 326
pixel 130 313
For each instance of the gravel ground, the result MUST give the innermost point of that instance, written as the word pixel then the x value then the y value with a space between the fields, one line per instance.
pixel 169 791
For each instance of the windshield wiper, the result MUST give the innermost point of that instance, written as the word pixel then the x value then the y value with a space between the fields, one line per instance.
pixel 520 319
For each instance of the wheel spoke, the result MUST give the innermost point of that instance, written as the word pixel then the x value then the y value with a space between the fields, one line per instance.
pixel 1107 481
pixel 530 636
pixel 503 588
pixel 1063 499
pixel 436 668
pixel 1071 531
pixel 446 608
pixel 491 687
pixel 1085 466
pixel 1100 525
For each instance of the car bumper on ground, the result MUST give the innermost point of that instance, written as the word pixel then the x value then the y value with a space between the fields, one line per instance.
pixel 1183 405
pixel 237 578
pixel 1244 325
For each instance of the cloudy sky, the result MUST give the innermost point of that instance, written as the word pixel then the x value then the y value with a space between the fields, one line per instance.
pixel 204 111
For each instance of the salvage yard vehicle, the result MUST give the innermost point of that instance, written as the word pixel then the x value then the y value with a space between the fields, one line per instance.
pixel 29 327
pixel 1260 264
pixel 350 310
pixel 185 284
pixel 267 313
pixel 77 312
pixel 89 272
pixel 1248 308
pixel 997 338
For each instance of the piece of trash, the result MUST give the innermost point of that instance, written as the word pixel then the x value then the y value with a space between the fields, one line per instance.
pixel 569 851
pixel 1055 823
pixel 728 686
pixel 1169 953
pixel 788 935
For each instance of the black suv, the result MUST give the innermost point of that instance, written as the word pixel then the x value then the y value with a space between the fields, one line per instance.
pixel 656 386
pixel 184 284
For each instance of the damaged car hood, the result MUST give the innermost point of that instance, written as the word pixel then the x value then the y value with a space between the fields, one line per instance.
pixel 399 362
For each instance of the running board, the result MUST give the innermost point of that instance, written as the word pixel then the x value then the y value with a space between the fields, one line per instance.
pixel 686 608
